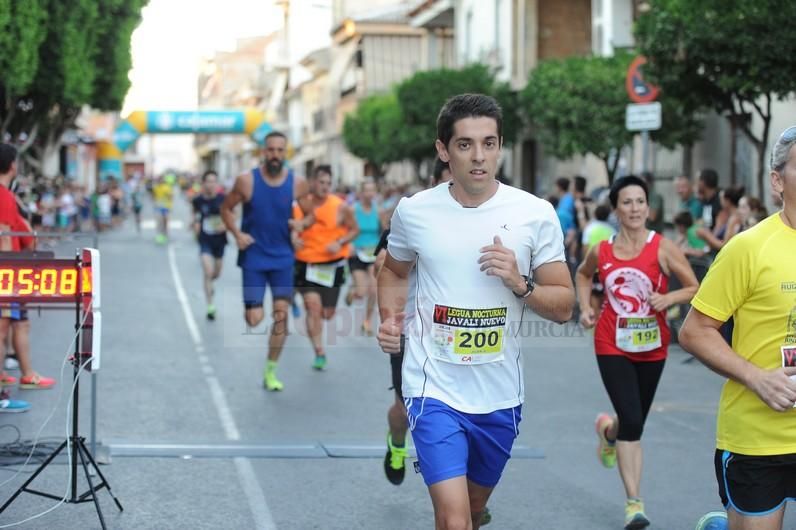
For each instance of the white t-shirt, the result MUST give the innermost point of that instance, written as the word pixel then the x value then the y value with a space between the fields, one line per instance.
pixel 461 341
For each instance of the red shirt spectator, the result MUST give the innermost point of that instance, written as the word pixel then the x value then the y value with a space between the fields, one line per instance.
pixel 10 218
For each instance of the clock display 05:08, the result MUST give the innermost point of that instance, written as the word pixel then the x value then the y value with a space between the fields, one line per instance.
pixel 44 281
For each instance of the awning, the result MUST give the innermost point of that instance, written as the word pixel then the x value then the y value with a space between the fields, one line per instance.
pixel 438 14
pixel 341 60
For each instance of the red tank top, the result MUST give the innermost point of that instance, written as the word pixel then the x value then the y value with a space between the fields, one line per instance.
pixel 628 325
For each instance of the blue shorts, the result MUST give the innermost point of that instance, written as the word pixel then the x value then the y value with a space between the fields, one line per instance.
pixel 213 246
pixel 16 312
pixel 255 281
pixel 451 444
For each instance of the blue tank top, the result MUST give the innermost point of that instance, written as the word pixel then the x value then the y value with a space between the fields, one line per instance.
pixel 265 218
pixel 368 227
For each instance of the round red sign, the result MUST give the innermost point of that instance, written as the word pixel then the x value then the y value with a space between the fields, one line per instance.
pixel 638 90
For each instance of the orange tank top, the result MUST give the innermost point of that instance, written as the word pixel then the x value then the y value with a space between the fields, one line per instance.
pixel 325 230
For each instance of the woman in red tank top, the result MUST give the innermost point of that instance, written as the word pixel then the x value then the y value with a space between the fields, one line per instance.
pixel 631 336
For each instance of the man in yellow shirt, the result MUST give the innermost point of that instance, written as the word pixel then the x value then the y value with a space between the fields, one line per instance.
pixel 164 198
pixel 754 280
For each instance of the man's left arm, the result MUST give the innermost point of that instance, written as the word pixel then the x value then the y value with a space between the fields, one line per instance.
pixel 553 295
pixel 350 222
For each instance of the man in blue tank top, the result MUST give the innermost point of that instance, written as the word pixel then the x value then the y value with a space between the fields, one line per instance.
pixel 266 254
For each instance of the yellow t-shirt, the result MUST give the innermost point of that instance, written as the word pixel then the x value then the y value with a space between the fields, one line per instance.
pixel 164 195
pixel 754 280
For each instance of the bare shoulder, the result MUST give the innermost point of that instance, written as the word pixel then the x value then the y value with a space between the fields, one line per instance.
pixel 299 181
pixel 243 186
pixel 666 246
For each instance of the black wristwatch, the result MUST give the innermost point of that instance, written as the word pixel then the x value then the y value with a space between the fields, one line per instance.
pixel 529 286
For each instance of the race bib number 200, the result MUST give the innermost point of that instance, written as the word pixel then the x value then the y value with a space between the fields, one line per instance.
pixel 468 336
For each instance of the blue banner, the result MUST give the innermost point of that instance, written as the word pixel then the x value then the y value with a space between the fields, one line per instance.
pixel 110 168
pixel 196 122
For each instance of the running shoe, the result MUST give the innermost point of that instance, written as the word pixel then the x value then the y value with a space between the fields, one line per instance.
pixel 320 362
pixel 11 363
pixel 7 380
pixel 271 383
pixel 634 515
pixel 211 312
pixel 486 516
pixel 606 449
pixel 160 239
pixel 36 382
pixel 394 466
pixel 12 405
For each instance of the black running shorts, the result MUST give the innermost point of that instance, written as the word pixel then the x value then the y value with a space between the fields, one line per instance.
pixel 755 485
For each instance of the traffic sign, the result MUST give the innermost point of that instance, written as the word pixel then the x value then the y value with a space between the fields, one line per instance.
pixel 639 90
pixel 643 116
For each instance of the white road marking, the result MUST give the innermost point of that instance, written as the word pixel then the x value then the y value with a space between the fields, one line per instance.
pixel 263 519
pixel 151 224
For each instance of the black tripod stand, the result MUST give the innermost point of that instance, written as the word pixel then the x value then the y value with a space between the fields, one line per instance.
pixel 77 446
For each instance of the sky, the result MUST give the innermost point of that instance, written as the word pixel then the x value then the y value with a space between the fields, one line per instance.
pixel 167 48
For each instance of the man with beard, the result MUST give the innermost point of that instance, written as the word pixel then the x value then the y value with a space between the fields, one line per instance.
pixel 266 254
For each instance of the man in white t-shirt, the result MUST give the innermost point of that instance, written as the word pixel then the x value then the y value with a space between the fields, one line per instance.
pixel 481 252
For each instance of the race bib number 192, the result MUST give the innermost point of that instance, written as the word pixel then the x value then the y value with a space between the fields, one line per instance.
pixel 637 334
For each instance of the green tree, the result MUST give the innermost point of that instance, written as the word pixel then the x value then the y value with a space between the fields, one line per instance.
pixel 577 106
pixel 422 96
pixel 22 30
pixel 117 21
pixel 727 55
pixel 374 132
pixel 64 55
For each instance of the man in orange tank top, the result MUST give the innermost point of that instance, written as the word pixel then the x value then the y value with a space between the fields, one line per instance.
pixel 322 249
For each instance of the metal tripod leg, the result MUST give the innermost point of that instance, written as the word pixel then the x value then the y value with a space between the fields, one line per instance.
pixel 24 486
pixel 91 490
pixel 104 482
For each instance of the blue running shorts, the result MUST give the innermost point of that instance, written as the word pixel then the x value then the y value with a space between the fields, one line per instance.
pixel 451 444
pixel 255 281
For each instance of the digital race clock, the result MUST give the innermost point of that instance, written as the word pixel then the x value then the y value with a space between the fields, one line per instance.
pixel 42 280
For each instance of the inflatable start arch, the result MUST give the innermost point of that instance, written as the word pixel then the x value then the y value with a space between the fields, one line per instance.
pixel 246 121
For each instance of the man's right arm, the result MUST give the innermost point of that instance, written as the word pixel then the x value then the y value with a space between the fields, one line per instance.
pixel 239 193
pixel 392 293
pixel 700 336
pixel 725 288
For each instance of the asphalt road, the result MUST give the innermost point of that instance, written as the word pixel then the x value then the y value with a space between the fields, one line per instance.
pixel 190 439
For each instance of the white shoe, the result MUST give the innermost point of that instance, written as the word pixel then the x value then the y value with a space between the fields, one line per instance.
pixel 11 364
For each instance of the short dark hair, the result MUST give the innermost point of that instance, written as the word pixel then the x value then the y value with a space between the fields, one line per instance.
pixel 439 167
pixel 562 183
pixel 734 194
pixel 580 184
pixel 323 168
pixel 709 178
pixel 207 174
pixel 467 106
pixel 8 154
pixel 274 134
pixel 622 183
pixel 684 219
pixel 602 212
